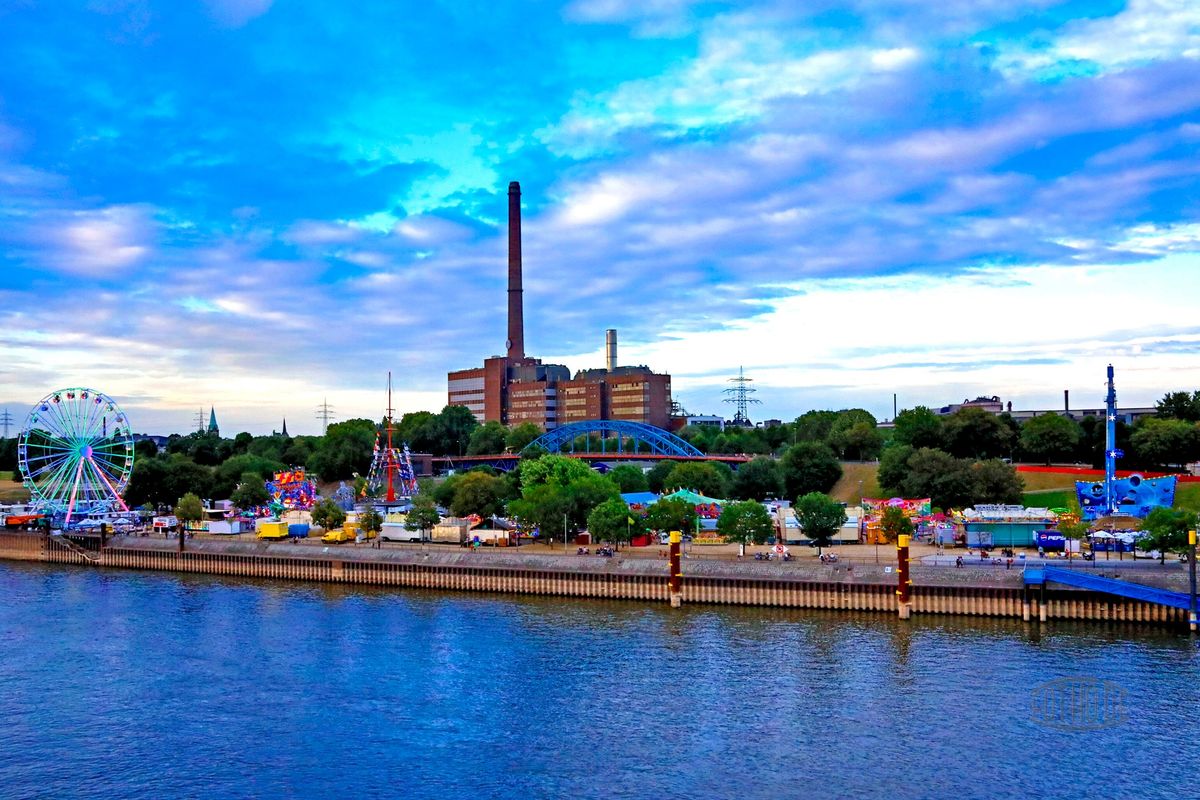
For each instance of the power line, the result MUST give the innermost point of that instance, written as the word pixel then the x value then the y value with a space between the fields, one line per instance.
pixel 200 420
pixel 6 419
pixel 739 395
pixel 325 414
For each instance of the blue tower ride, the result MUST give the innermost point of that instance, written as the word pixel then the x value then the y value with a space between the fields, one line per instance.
pixel 1111 453
pixel 1134 495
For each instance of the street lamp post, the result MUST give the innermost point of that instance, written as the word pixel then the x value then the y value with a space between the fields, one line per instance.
pixel 564 533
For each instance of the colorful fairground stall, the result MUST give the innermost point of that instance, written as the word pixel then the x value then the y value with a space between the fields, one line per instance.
pixel 918 510
pixel 990 526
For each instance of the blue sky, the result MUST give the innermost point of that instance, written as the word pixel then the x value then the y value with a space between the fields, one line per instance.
pixel 258 204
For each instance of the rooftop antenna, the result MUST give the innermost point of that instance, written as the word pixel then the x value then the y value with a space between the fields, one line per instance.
pixel 325 414
pixel 739 395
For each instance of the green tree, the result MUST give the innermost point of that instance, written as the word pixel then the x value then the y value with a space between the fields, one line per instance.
pixel 421 429
pixel 1166 441
pixel 189 509
pixel 757 479
pixel 918 427
pixel 443 493
pixel 559 470
pixel 744 522
pixel 251 492
pixel 809 467
pixel 328 515
pixel 946 480
pixel 656 478
pixel 487 439
pixel 893 468
pixel 700 477
pixel 148 483
pixel 346 449
pixel 1179 405
pixel 1050 436
pixel 241 443
pixel 423 515
pixel 521 436
pixel 183 476
pixel 813 426
pixel 561 492
pixel 477 493
pixel 228 475
pixel 860 442
pixel 371 522
pixel 143 448
pixel 895 523
pixel 1166 531
pixel 545 506
pixel 996 482
pixel 612 521
pixel 455 425
pixel 820 517
pixel 976 433
pixel 673 514
pixel 629 478
pixel 1073 528
pixel 854 434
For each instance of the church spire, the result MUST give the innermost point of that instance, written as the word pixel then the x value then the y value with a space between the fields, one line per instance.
pixel 212 421
pixel 285 433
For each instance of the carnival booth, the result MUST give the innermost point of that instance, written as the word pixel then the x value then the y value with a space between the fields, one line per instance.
pixel 708 509
pixel 638 502
pixel 918 510
pixel 989 526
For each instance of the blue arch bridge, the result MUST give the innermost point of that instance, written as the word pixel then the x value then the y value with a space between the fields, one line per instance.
pixel 617 440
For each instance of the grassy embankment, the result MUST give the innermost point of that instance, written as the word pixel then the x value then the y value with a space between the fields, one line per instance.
pixel 11 491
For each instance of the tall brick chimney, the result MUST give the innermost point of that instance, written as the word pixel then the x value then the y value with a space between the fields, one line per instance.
pixel 516 319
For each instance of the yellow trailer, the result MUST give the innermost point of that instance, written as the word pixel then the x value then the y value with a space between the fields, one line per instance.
pixel 272 530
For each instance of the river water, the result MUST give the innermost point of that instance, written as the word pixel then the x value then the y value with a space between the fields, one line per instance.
pixel 150 685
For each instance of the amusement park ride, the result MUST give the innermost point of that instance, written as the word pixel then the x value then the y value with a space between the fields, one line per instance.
pixel 391 469
pixel 1133 495
pixel 75 452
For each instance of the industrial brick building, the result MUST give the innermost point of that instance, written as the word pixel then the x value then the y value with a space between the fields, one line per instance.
pixel 514 388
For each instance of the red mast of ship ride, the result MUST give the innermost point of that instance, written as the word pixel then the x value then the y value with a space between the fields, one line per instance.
pixel 391 461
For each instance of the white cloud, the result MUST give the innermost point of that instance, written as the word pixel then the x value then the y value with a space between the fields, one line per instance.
pixel 743 66
pixel 97 243
pixel 1144 31
pixel 235 13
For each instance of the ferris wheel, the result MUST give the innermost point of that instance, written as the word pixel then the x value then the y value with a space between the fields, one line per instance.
pixel 76 453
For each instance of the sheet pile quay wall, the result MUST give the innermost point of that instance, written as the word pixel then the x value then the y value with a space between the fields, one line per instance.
pixel 936 590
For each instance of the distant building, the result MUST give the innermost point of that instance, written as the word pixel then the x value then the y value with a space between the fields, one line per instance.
pixel 993 405
pixel 703 421
pixel 514 388
pixel 159 441
pixel 212 421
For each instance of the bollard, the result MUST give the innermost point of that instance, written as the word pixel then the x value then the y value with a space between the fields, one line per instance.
pixel 1192 621
pixel 675 571
pixel 904 583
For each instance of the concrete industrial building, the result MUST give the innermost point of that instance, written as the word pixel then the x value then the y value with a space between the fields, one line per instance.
pixel 514 388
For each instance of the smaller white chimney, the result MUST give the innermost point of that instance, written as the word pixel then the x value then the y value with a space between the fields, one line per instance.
pixel 610 349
